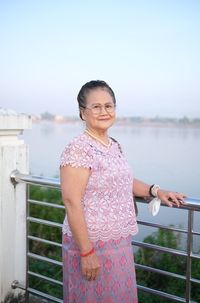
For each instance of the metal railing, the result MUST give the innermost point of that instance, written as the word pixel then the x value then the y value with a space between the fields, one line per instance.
pixel 191 206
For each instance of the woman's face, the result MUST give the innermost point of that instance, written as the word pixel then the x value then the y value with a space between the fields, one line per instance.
pixel 99 113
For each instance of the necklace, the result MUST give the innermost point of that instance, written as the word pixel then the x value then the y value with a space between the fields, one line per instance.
pixel 96 138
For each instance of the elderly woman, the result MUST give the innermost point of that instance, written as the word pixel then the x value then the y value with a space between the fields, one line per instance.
pixel 98 188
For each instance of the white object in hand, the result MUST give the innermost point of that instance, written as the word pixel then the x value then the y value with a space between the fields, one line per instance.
pixel 154 206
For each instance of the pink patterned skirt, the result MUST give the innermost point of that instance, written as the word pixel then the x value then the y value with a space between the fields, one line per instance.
pixel 116 282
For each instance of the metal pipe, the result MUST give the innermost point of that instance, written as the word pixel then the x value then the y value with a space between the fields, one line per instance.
pixel 192 204
pixel 15 284
pixel 156 225
pixel 48 204
pixel 45 259
pixel 161 294
pixel 189 252
pixel 159 271
pixel 31 273
pixel 195 233
pixel 195 256
pixel 27 245
pixel 16 177
pixel 44 295
pixel 45 222
pixel 160 248
pixel 44 241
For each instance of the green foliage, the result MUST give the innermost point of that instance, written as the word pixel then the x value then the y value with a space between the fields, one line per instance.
pixel 38 193
pixel 195 289
pixel 149 257
pixel 46 213
pixel 41 193
pixel 166 262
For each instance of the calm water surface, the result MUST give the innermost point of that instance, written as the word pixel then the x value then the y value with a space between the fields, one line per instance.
pixel 167 156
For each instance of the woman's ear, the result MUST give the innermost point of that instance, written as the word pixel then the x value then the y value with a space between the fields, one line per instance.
pixel 82 114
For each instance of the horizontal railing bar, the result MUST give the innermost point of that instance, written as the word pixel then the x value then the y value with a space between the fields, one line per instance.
pixel 161 294
pixel 159 271
pixel 41 258
pixel 48 204
pixel 163 272
pixel 44 295
pixel 195 256
pixel 16 177
pixel 195 280
pixel 190 203
pixel 164 249
pixel 156 225
pixel 195 233
pixel 45 222
pixel 44 241
pixel 159 248
pixel 31 273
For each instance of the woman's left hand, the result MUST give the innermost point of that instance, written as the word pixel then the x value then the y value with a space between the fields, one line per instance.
pixel 171 198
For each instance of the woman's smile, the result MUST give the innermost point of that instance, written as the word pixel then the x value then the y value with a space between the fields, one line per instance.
pixel 99 112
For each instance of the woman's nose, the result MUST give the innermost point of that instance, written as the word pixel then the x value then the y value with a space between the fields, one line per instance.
pixel 103 109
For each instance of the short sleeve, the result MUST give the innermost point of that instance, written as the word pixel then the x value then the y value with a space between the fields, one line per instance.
pixel 76 154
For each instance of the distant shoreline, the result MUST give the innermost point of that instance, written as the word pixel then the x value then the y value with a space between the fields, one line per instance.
pixel 156 122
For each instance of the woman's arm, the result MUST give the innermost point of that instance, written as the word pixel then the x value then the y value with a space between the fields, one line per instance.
pixel 141 189
pixel 73 185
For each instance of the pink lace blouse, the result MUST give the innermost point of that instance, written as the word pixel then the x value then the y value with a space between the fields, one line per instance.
pixel 108 201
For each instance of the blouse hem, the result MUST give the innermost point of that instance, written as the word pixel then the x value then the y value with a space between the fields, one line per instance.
pixel 100 238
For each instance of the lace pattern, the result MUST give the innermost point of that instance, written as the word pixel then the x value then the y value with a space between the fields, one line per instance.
pixel 108 201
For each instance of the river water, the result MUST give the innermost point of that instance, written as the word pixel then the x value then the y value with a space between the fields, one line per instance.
pixel 166 156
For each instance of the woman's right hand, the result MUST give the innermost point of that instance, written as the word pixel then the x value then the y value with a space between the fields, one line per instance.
pixel 90 267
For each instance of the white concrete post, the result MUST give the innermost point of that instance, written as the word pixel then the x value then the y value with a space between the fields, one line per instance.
pixel 13 155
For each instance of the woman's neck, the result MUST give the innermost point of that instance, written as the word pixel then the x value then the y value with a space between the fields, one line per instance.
pixel 100 136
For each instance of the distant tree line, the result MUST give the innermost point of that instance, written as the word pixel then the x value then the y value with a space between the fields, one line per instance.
pixel 184 121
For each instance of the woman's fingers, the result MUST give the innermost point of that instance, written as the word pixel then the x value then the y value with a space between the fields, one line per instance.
pixel 177 198
pixel 171 198
pixel 91 274
pixel 90 267
pixel 181 197
pixel 167 201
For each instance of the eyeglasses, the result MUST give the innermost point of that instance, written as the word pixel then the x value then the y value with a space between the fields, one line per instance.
pixel 97 108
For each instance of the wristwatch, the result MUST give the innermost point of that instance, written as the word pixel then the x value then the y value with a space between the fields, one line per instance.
pixel 153 190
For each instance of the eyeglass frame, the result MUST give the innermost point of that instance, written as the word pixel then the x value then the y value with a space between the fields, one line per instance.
pixel 101 107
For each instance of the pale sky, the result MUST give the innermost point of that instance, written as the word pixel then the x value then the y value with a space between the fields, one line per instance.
pixel 147 50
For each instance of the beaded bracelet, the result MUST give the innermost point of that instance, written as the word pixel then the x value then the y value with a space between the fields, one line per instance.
pixel 88 253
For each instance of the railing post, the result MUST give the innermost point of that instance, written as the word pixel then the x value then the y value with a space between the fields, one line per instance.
pixel 13 155
pixel 189 252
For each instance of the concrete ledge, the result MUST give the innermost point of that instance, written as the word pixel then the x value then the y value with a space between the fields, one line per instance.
pixel 10 120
